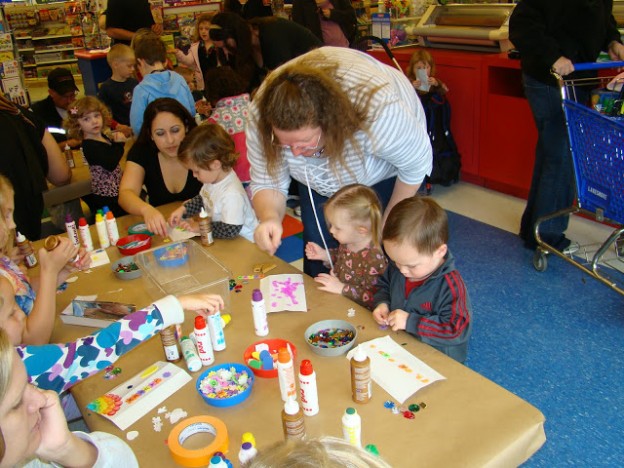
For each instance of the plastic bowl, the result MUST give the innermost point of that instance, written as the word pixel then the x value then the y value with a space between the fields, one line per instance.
pixel 327 348
pixel 235 397
pixel 172 256
pixel 274 345
pixel 131 269
pixel 133 244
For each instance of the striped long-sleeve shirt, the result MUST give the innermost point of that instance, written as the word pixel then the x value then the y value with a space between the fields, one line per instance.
pixel 396 143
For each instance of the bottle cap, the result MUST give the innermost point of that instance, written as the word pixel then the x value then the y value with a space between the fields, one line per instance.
pixel 371 448
pixel 350 411
pixel 200 322
pixel 82 222
pixel 110 215
pixel 105 209
pixel 291 406
pixel 51 242
pixel 249 437
pixel 67 147
pixel 256 295
pixel 306 367
pixel 283 355
pixel 98 217
pixel 20 237
pixel 227 318
pixel 202 213
pixel 68 218
pixel 246 446
pixel 360 354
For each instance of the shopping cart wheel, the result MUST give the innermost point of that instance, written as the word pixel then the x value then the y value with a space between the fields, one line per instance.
pixel 540 262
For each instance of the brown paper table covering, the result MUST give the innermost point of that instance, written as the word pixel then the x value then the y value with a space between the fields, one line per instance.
pixel 468 420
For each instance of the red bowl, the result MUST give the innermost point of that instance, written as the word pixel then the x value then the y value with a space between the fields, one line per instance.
pixel 274 345
pixel 133 244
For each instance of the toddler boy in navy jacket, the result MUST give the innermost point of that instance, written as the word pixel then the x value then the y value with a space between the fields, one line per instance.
pixel 421 292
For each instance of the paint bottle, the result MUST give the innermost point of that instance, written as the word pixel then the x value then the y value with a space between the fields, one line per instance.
pixel 249 437
pixel 215 327
pixel 190 354
pixel 111 228
pixel 205 228
pixel 25 249
pixel 361 385
pixel 246 453
pixel 286 374
pixel 307 388
pixel 72 231
pixel 170 344
pixel 352 427
pixel 202 339
pixel 217 462
pixel 258 308
pixel 69 156
pixel 292 420
pixel 85 234
pixel 100 226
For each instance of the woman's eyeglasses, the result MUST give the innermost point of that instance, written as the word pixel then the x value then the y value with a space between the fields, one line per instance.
pixel 316 151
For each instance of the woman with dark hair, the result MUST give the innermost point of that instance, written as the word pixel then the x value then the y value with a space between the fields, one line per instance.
pixel 259 45
pixel 153 162
pixel 332 21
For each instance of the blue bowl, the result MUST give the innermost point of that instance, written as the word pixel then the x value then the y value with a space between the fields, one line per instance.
pixel 219 372
pixel 171 256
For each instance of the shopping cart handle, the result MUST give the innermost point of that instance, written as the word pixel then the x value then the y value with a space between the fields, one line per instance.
pixel 597 65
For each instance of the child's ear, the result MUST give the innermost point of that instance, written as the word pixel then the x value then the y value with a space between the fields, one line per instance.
pixel 441 251
pixel 363 230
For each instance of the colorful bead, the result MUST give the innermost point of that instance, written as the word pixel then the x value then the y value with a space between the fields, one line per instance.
pixel 414 408
pixel 408 415
pixel 224 383
pixel 331 338
pixel 388 404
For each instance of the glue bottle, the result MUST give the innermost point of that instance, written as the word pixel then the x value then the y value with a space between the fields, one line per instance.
pixel 170 344
pixel 286 374
pixel 85 234
pixel 26 250
pixel 72 231
pixel 69 156
pixel 205 228
pixel 246 453
pixel 361 387
pixel 248 437
pixel 202 339
pixel 307 388
pixel 258 309
pixel 190 354
pixel 292 420
pixel 101 230
pixel 215 326
pixel 352 427
pixel 111 228
pixel 217 462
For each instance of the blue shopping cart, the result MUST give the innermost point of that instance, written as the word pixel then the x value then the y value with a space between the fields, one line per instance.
pixel 597 147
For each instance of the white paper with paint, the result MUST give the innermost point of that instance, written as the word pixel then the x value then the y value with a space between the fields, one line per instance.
pixel 178 234
pixel 284 293
pixel 396 370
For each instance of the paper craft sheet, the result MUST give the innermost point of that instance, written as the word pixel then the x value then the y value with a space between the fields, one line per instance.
pixel 178 234
pixel 133 399
pixel 397 371
pixel 284 292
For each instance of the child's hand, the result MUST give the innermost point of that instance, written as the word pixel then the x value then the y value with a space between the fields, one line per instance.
pixel 380 314
pixel 118 137
pixel 189 225
pixel 329 283
pixel 53 427
pixel 54 261
pixel 203 304
pixel 416 83
pixel 398 319
pixel 432 81
pixel 176 216
pixel 315 252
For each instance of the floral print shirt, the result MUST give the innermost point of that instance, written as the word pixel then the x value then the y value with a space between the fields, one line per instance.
pixel 24 293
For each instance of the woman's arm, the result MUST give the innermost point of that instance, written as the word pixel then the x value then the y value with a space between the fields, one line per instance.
pixel 59 173
pixel 270 207
pixel 401 192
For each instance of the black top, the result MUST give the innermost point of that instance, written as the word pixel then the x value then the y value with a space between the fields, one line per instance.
pixel 282 40
pixel 24 162
pixel 543 31
pixel 131 15
pixel 46 111
pixel 117 95
pixel 106 155
pixel 146 156
pixel 306 13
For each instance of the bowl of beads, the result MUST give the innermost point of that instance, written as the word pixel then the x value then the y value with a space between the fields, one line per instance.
pixel 133 244
pixel 261 356
pixel 225 384
pixel 330 337
pixel 126 269
pixel 172 256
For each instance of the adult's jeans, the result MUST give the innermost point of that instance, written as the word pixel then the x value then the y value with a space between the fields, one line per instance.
pixel 310 230
pixel 552 185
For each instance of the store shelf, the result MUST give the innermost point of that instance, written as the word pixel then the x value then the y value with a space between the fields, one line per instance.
pixel 51 62
pixel 57 36
pixel 54 49
pixel 28 49
pixel 23 38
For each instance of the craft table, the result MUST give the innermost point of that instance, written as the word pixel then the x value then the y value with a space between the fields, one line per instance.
pixel 468 420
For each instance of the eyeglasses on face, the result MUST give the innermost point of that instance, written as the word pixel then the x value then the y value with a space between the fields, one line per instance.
pixel 299 148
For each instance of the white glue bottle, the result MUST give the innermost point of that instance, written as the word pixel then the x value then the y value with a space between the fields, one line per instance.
pixel 190 354
pixel 215 326
pixel 85 234
pixel 286 374
pixel 202 339
pixel 205 228
pixel 258 308
pixel 100 226
pixel 72 231
pixel 307 388
pixel 111 228
pixel 352 427
pixel 26 250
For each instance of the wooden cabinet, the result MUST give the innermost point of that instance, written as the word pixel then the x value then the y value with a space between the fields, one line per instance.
pixel 490 118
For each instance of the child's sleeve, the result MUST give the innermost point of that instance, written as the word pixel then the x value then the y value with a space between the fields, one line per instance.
pixel 193 206
pixel 58 367
pixel 363 288
pixel 382 295
pixel 450 315
pixel 137 108
pixel 226 231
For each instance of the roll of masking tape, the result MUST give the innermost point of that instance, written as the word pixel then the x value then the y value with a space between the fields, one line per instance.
pixel 191 426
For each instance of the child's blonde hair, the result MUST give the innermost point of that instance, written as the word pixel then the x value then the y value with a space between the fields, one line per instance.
pixel 363 206
pixel 207 143
pixel 81 107
pixel 203 18
pixel 119 52
pixel 421 55
pixel 419 222
pixel 7 236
